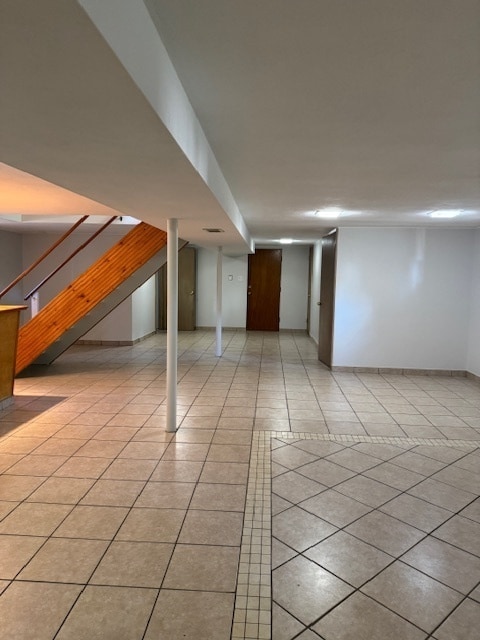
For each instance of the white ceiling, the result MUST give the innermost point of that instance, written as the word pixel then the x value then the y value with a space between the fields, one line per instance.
pixel 372 106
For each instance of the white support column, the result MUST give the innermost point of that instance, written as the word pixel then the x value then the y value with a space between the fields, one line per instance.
pixel 172 322
pixel 218 348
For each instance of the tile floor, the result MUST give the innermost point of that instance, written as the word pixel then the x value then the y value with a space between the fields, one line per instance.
pixel 366 508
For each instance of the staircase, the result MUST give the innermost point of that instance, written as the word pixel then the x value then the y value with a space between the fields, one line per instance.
pixel 92 296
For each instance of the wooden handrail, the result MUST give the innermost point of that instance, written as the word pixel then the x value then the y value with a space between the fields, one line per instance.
pixel 72 255
pixel 43 256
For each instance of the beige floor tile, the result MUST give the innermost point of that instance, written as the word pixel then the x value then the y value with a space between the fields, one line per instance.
pixel 59 447
pixel 446 563
pixel 202 568
pixel 65 560
pixel 462 624
pixel 388 430
pixel 124 434
pixel 394 476
pixel 354 460
pixel 129 469
pixel 100 449
pixel 349 558
pixel 239 412
pixel 152 434
pixel 194 436
pixel 115 493
pixel 284 626
pixel 177 471
pixel 77 467
pixel 235 423
pixel 14 445
pixel 212 527
pixel 360 618
pixel 472 511
pixel 109 612
pixel 33 465
pixel 281 553
pixel 228 453
pixel 166 495
pixel 133 564
pixel 225 472
pixel 186 451
pixel 271 424
pixel 366 490
pixel 335 508
pixel 299 529
pixel 460 478
pixel 416 512
pixel 325 472
pixel 35 610
pixel 292 457
pixel 189 614
pixel 316 590
pixel 386 533
pixel 98 523
pixel 143 450
pixel 219 497
pixel 232 436
pixel 17 488
pixel 413 595
pixel 462 532
pixel 9 460
pixel 441 494
pixel 124 420
pixel 152 525
pixel 34 519
pixel 15 553
pixel 420 464
pixel 294 487
pixel 77 432
pixel 7 507
pixel 61 490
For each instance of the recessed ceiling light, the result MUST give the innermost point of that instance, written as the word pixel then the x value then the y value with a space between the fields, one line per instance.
pixel 286 240
pixel 445 213
pixel 213 230
pixel 329 212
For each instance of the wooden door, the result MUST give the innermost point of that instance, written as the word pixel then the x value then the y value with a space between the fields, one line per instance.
pixel 327 298
pixel 263 293
pixel 187 276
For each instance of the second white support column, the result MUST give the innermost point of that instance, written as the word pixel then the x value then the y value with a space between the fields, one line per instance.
pixel 218 347
pixel 172 322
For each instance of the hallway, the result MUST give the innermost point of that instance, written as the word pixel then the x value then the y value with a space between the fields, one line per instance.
pixel 360 492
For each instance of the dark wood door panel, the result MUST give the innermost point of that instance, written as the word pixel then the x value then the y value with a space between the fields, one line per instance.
pixel 263 293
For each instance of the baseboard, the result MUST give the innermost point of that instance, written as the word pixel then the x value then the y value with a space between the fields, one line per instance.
pixel 114 343
pixel 473 376
pixel 406 372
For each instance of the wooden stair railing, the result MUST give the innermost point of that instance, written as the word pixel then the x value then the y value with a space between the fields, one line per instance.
pixel 43 256
pixel 84 293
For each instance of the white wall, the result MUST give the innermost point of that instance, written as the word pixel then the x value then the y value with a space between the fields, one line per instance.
pixel 473 357
pixel 403 298
pixel 234 290
pixel 11 266
pixel 143 309
pixel 315 290
pixel 293 298
pixel 116 327
pixel 294 287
